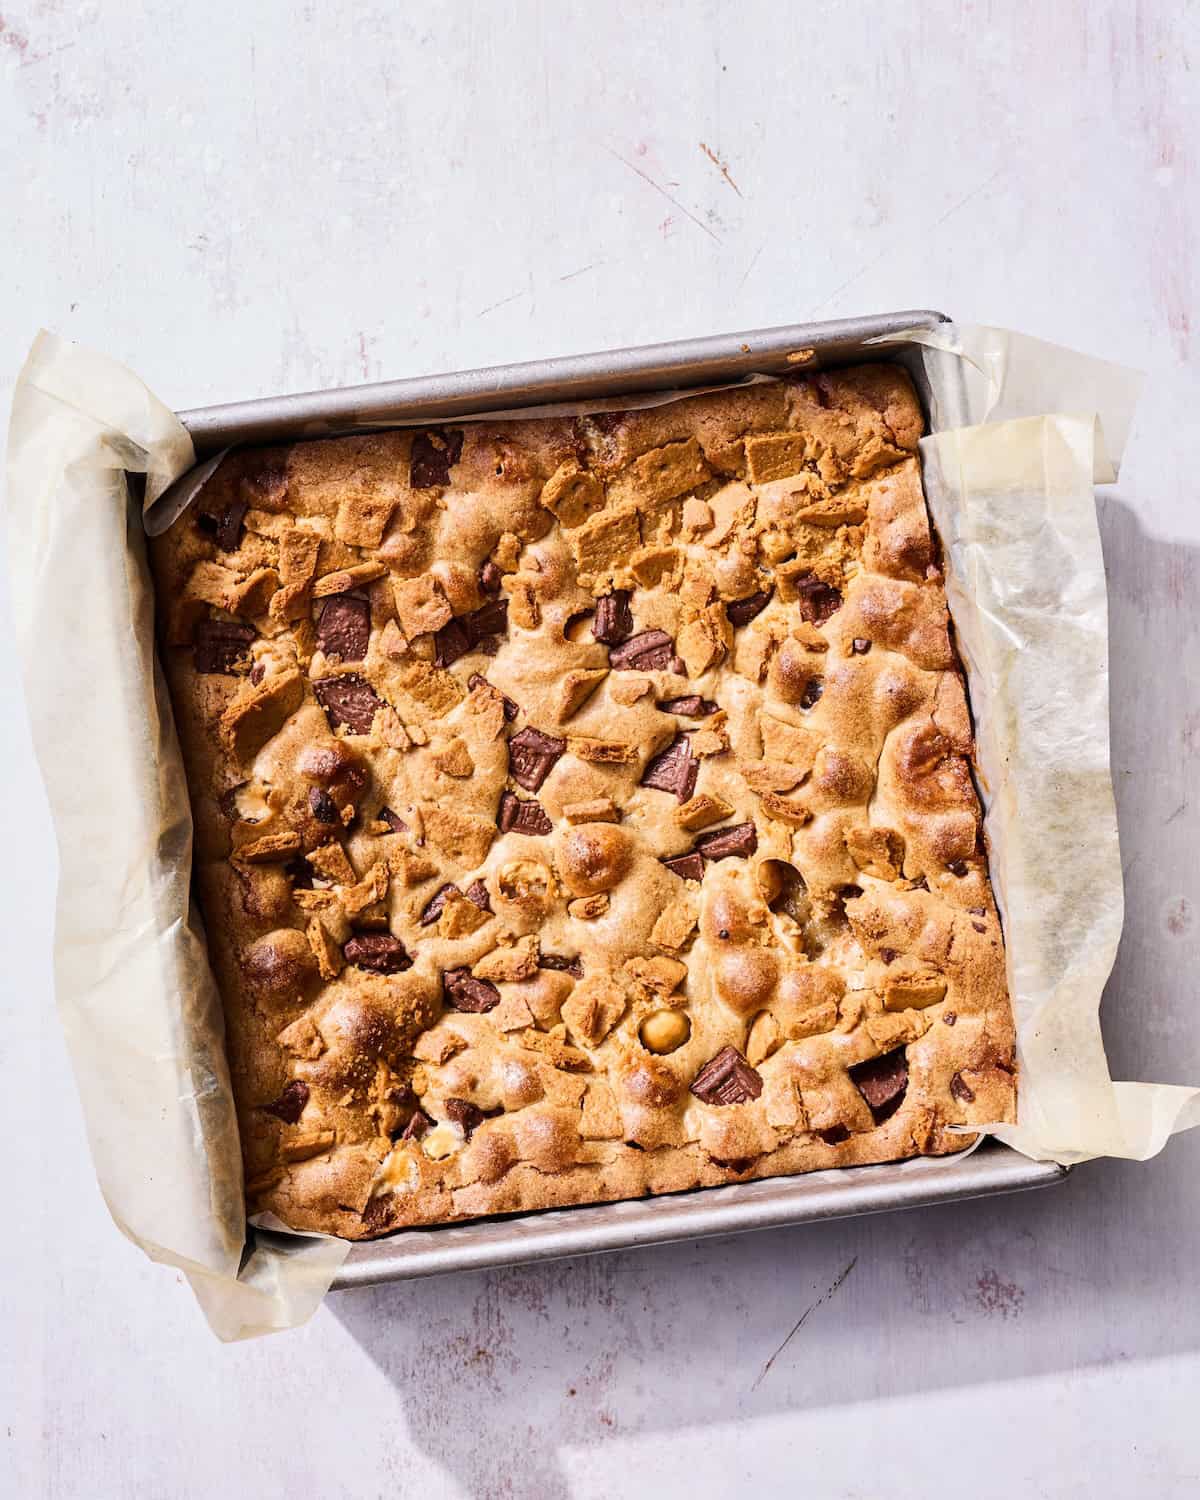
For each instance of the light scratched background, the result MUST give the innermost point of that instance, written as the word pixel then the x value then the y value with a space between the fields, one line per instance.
pixel 240 199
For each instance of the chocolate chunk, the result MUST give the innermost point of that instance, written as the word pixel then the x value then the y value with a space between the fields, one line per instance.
pixel 219 644
pixel 331 764
pixel 257 672
pixel 267 483
pixel 888 955
pixel 449 643
pixel 478 893
pixel 957 867
pixel 961 1089
pixel 816 599
pixel 510 708
pixel 950 1017
pixel 532 756
pixel 377 1215
pixel 207 523
pixel 300 872
pixel 492 619
pixel 812 692
pixel 418 1123
pixel 727 1079
pixel 464 992
pixel 686 866
pixel 606 422
pixel 229 527
pixel 507 811
pixel 835 1135
pixel 648 651
pixel 490 578
pixel 724 843
pixel 434 910
pixel 522 815
pixel 464 1113
pixel 860 645
pixel 477 679
pixel 882 1082
pixel 434 454
pixel 290 1104
pixel 673 769
pixel 572 966
pixel 821 390
pixel 393 821
pixel 742 611
pixel 323 807
pixel 348 700
pixel 489 646
pixel 691 707
pixel 344 628
pixel 473 632
pixel 227 802
pixel 378 951
pixel 613 620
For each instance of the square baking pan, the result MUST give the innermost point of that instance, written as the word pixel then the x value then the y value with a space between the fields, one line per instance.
pixel 771 1202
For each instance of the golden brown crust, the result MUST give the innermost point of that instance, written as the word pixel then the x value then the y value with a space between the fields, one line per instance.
pixel 507 916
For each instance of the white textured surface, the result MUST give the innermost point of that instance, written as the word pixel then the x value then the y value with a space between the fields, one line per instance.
pixel 245 199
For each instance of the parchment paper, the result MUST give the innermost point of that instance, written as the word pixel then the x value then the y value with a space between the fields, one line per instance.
pixel 135 995
pixel 1009 485
pixel 1008 471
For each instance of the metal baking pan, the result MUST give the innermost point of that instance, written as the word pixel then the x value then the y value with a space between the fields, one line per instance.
pixel 578 377
pixel 770 1203
pixel 774 1201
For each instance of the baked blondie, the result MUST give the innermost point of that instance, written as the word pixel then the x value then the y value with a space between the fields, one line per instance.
pixel 583 806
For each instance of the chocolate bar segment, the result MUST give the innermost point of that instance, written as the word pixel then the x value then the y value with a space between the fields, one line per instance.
pixel 883 1082
pixel 532 755
pixel 727 1079
pixel 818 600
pixel 649 651
pixel 344 629
pixel 290 1104
pixel 219 645
pixel 433 909
pixel 348 701
pixel 741 611
pixel 613 620
pixel 693 706
pixel 522 815
pixel 464 992
pixel 738 842
pixel 673 769
pixel 434 454
pixel 379 952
